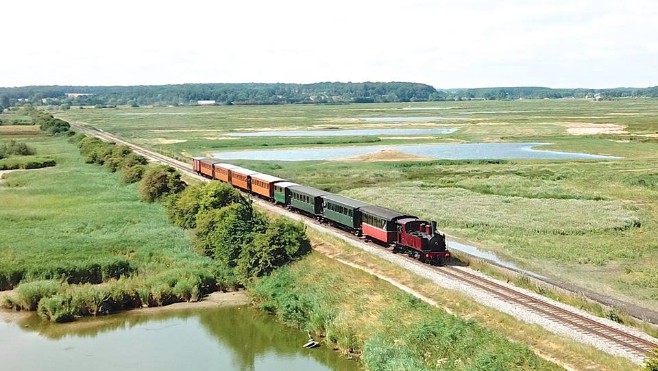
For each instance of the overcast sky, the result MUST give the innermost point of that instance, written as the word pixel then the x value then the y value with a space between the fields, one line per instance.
pixel 579 43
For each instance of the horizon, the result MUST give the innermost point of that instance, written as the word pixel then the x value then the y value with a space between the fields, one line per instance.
pixel 474 44
pixel 332 82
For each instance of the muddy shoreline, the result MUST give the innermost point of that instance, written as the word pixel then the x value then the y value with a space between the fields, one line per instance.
pixel 213 300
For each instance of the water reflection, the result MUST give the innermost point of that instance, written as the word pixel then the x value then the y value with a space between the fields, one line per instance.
pixel 238 338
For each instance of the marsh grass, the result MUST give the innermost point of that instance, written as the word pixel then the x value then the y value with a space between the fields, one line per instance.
pixel 364 317
pixel 76 239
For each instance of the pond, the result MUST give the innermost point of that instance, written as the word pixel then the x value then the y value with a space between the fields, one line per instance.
pixel 410 119
pixel 234 338
pixel 341 132
pixel 464 151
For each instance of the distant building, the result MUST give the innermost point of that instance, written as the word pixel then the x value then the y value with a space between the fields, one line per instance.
pixel 205 102
pixel 75 95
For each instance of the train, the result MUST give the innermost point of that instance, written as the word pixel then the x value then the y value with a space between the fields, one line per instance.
pixel 401 232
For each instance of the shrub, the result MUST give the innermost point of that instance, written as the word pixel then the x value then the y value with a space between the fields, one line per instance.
pixel 53 126
pixel 651 363
pixel 132 174
pixel 56 308
pixel 160 181
pixel 222 233
pixel 184 209
pixel 29 294
pixel 283 241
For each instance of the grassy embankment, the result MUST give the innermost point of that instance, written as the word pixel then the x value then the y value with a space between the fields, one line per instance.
pixel 378 299
pixel 391 330
pixel 75 233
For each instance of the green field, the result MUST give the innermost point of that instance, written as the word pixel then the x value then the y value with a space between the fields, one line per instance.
pixel 590 222
pixel 77 223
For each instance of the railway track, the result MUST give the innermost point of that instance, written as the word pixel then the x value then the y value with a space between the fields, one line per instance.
pixel 614 335
pixel 623 339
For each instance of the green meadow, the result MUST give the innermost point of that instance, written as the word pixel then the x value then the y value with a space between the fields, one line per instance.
pixel 590 222
pixel 75 224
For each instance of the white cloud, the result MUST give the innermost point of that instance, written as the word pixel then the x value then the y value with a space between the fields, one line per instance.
pixel 443 43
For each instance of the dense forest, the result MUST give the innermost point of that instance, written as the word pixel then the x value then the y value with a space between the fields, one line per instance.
pixel 281 93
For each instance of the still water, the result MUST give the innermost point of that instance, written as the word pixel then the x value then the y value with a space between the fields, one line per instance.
pixel 341 132
pixel 235 338
pixel 470 151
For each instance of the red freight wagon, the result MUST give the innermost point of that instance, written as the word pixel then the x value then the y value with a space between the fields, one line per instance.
pixel 263 184
pixel 241 177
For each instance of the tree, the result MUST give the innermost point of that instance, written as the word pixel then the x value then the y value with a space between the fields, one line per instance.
pixel 283 242
pixel 4 101
pixel 223 233
pixel 160 181
pixel 183 210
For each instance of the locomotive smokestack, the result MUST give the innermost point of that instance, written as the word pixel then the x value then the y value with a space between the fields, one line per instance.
pixel 428 229
pixel 433 227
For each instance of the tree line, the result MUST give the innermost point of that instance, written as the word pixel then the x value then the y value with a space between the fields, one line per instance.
pixel 282 93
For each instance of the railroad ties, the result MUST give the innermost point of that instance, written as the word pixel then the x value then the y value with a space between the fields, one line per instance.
pixel 629 342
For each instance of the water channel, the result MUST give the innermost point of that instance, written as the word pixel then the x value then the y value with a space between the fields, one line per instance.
pixel 231 338
pixel 461 151
pixel 344 132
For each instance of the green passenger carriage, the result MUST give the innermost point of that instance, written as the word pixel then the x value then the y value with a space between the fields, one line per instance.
pixel 306 199
pixel 343 211
pixel 282 192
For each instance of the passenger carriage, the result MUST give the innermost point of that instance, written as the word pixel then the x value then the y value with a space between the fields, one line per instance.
pixel 241 178
pixel 263 184
pixel 204 166
pixel 222 171
pixel 378 223
pixel 307 200
pixel 282 192
pixel 343 212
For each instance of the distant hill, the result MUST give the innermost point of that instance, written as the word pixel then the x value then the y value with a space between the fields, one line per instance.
pixel 282 93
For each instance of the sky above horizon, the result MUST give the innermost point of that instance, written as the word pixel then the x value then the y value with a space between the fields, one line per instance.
pixel 446 44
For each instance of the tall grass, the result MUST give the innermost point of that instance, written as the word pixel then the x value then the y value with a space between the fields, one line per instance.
pixel 389 330
pixel 74 241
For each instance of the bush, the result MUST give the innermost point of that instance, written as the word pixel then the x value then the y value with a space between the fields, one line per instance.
pixel 15 148
pixel 29 294
pixel 132 174
pixel 194 200
pixel 651 363
pixel 160 181
pixel 222 233
pixel 56 308
pixel 283 242
pixel 54 126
